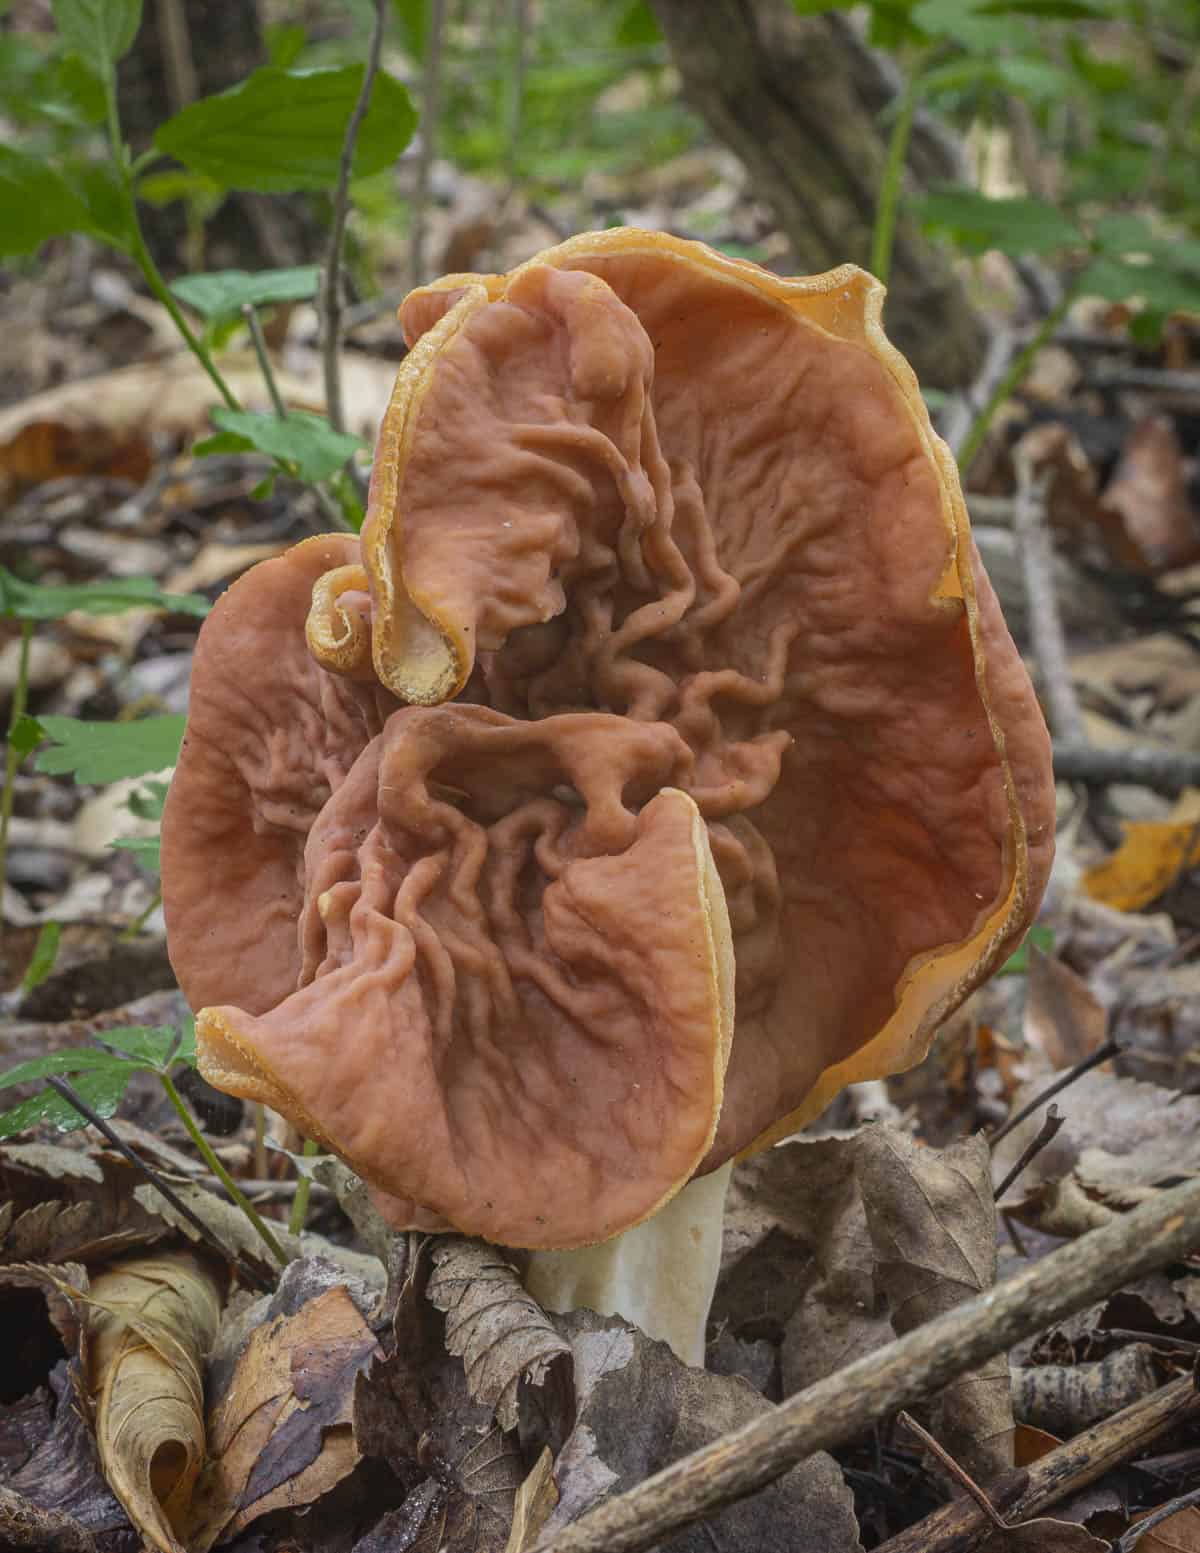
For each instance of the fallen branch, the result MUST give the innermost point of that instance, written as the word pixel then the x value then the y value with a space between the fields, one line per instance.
pixel 959 1526
pixel 844 1405
pixel 1045 621
pixel 1163 771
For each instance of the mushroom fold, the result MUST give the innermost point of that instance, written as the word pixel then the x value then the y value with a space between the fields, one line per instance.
pixel 665 661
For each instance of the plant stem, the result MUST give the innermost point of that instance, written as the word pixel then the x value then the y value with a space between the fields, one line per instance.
pixel 1012 379
pixel 139 922
pixel 222 1175
pixel 11 759
pixel 259 341
pixel 162 291
pixel 303 1187
pixel 884 236
pixel 331 279
pixel 431 93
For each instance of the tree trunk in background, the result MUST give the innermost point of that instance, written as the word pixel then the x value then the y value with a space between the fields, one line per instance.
pixel 187 49
pixel 798 99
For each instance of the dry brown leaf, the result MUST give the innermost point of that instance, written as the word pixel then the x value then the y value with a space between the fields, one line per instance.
pixel 932 1223
pixel 215 562
pixel 1148 497
pixel 1179 1533
pixel 1030 1444
pixel 1043 1536
pixel 536 1499
pixel 501 1333
pixel 279 1430
pixel 63 1289
pixel 152 1319
pixel 1064 1020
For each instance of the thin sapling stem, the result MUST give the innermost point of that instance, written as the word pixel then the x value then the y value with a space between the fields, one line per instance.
pixel 259 340
pixel 1011 380
pixel 303 1188
pixel 12 758
pixel 884 236
pixel 222 1175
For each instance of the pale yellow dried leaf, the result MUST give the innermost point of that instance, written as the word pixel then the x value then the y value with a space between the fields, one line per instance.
pixel 536 1497
pixel 152 1321
pixel 1147 863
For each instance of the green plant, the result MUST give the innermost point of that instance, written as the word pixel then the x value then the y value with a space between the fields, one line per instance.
pixel 99 1077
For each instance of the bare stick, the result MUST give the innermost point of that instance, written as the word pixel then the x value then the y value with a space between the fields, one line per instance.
pixel 1045 621
pixel 1049 1130
pixel 843 1405
pixel 1101 1054
pixel 431 107
pixel 961 1525
pixel 1163 771
pixel 1135 1533
pixel 331 278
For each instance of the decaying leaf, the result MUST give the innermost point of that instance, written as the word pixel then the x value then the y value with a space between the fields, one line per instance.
pixel 639 1408
pixel 1064 1020
pixel 932 1223
pixel 1122 1138
pixel 1149 860
pixel 62 1288
pixel 226 1221
pixel 279 1427
pixel 501 1333
pixel 536 1498
pixel 1179 1533
pixel 1043 1536
pixel 63 1471
pixel 152 1320
pixel 26 1525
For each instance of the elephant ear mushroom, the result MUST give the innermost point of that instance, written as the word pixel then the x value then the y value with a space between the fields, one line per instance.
pixel 516 998
pixel 640 477
pixel 270 735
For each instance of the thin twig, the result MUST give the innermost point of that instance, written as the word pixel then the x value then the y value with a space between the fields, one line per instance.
pixel 1101 1054
pixel 961 1525
pixel 1045 619
pixel 331 278
pixel 1162 771
pixel 1012 379
pixel 259 341
pixel 247 1272
pixel 952 1468
pixel 12 758
pixel 1134 1535
pixel 1049 1131
pixel 431 107
pixel 843 1405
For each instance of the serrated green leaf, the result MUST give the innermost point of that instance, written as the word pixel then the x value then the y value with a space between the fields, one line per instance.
pixel 221 292
pixel 147 850
pixel 45 952
pixel 163 188
pixel 1017 226
pixel 102 194
pixel 79 1059
pixel 36 203
pixel 961 23
pixel 148 1044
pixel 100 31
pixel 25 735
pixel 107 752
pixel 284 43
pixel 1048 10
pixel 262 491
pixel 187 1044
pixel 50 601
pixel 101 1089
pixel 1162 290
pixel 282 130
pixel 1121 232
pixel 308 441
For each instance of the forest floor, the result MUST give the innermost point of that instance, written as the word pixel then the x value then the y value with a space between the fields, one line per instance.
pixel 336 1417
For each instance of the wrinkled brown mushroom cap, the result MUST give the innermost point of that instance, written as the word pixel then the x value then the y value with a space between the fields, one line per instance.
pixel 637 497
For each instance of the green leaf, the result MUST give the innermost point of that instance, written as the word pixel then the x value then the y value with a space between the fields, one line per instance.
pixel 638 27
pixel 99 31
pixel 76 1059
pixel 147 850
pixel 47 601
pixel 147 802
pixel 282 130
pixel 102 1089
pixel 41 961
pixel 164 188
pixel 1050 10
pixel 25 735
pixel 816 7
pixel 187 1045
pixel 1016 226
pixel 36 203
pixel 99 187
pixel 149 1044
pixel 107 752
pixel 962 24
pixel 262 491
pixel 413 19
pixel 1162 289
pixel 1017 964
pixel 284 43
pixel 308 441
pixel 225 291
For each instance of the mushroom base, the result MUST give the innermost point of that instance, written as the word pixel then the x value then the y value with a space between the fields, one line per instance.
pixel 660 1275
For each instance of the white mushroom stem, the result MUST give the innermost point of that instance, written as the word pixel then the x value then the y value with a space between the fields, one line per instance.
pixel 660 1275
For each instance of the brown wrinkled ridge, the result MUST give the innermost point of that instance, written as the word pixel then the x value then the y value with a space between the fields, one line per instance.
pixel 270 735
pixel 717 501
pixel 532 964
